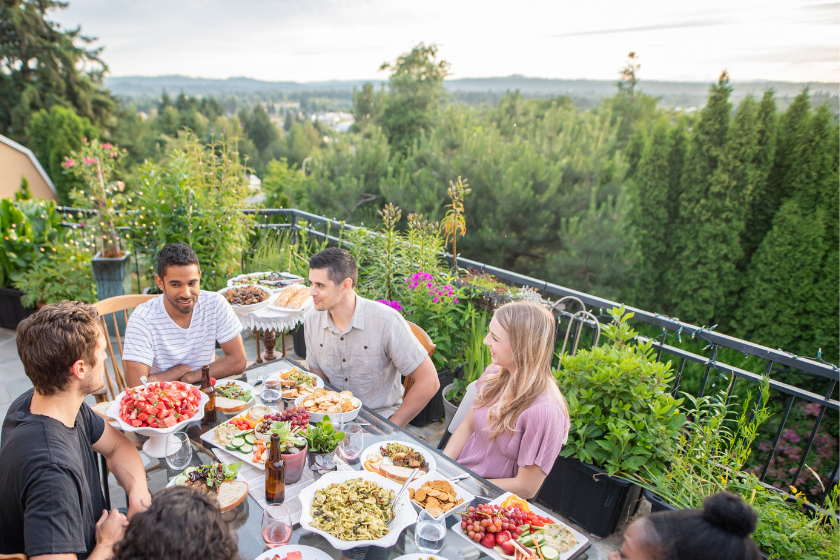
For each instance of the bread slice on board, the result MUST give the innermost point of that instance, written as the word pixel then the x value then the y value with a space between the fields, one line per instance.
pixel 230 406
pixel 231 494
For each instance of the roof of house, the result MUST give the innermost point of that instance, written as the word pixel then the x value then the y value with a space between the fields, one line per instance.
pixel 12 144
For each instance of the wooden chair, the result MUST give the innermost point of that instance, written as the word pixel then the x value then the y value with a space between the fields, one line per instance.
pixel 114 306
pixel 428 345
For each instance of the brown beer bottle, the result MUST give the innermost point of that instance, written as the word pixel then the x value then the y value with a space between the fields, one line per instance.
pixel 208 389
pixel 275 473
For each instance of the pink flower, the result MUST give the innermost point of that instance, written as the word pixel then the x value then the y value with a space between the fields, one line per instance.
pixel 84 139
pixel 120 186
pixel 456 300
pixel 89 161
pixel 435 300
pixel 107 146
pixel 68 163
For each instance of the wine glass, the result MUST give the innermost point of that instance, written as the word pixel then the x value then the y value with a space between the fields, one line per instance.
pixel 430 531
pixel 276 525
pixel 352 444
pixel 178 451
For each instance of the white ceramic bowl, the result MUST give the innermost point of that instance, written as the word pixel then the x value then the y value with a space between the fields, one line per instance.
pixel 253 306
pixel 335 417
pixel 459 492
pixel 404 514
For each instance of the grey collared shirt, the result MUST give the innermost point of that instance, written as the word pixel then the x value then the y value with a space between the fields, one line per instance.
pixel 366 358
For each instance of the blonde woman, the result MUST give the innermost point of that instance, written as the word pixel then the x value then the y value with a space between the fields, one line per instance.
pixel 519 420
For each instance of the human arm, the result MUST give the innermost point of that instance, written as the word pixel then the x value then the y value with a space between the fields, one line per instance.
pixel 109 531
pixel 426 385
pixel 233 362
pixel 124 461
pixel 462 434
pixel 525 484
pixel 135 370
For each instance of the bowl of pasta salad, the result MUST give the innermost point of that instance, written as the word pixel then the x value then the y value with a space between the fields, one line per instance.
pixel 327 511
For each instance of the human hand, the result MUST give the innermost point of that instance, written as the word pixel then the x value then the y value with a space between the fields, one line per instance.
pixel 110 528
pixel 138 502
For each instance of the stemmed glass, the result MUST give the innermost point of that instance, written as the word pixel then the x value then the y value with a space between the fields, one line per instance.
pixel 178 451
pixel 276 525
pixel 352 444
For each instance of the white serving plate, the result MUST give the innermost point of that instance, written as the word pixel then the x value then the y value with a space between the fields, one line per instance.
pixel 232 282
pixel 307 303
pixel 245 387
pixel 209 437
pixel 335 417
pixel 459 492
pixel 429 455
pixel 309 553
pixel 404 514
pixel 155 446
pixel 581 540
pixel 251 307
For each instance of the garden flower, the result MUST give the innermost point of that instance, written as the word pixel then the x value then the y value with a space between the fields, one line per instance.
pixel 68 163
pixel 392 304
pixel 89 161
pixel 107 146
pixel 120 186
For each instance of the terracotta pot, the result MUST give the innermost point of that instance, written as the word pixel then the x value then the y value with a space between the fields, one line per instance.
pixel 294 465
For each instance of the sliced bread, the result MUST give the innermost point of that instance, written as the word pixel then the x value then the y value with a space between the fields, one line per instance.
pixel 231 494
pixel 397 474
pixel 230 406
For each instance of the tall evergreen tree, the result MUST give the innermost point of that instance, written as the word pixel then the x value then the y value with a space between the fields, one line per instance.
pixel 259 128
pixel 42 66
pixel 763 205
pixel 791 300
pixel 650 219
pixel 678 141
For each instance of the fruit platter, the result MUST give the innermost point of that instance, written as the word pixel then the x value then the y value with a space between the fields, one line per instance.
pixel 509 528
pixel 157 410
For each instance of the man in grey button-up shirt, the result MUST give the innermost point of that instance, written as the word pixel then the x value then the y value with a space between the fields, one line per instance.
pixel 361 345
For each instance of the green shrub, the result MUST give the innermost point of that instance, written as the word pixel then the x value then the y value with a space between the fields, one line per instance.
pixel 623 417
pixel 27 228
pixel 64 274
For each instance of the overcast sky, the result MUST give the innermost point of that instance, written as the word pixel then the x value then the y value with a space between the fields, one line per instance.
pixel 316 40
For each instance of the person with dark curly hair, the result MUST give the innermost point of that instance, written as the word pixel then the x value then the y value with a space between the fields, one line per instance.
pixel 170 337
pixel 181 524
pixel 721 530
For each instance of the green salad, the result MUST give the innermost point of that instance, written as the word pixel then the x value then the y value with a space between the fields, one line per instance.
pixel 233 391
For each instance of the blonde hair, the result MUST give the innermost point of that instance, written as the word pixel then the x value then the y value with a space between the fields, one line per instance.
pixel 530 327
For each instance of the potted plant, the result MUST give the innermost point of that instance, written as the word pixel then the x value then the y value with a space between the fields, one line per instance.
pixel 94 164
pixel 476 360
pixel 64 274
pixel 322 440
pixel 294 448
pixel 713 449
pixel 623 418
pixel 27 229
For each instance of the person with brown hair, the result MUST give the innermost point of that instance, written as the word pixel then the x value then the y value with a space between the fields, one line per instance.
pixel 721 530
pixel 519 420
pixel 49 482
pixel 182 524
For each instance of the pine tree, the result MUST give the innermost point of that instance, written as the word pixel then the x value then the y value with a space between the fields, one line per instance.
pixel 763 205
pixel 676 166
pixel 650 219
pixel 23 193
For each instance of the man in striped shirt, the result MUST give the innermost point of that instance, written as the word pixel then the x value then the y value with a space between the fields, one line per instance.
pixel 171 337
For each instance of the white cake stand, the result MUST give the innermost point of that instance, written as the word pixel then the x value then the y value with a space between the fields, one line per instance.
pixel 156 445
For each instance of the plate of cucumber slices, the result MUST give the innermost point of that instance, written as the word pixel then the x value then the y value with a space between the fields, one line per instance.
pixel 238 442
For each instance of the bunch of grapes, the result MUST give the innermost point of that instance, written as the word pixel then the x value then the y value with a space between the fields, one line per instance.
pixel 297 415
pixel 487 518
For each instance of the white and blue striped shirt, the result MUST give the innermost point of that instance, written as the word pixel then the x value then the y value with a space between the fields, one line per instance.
pixel 154 339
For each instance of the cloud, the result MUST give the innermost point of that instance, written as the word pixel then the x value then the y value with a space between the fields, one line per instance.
pixel 655 27
pixel 823 14
pixel 801 54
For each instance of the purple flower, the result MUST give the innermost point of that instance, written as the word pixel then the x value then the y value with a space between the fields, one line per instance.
pixel 392 304
pixel 435 300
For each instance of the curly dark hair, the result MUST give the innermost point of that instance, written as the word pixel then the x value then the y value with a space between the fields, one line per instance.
pixel 339 263
pixel 176 254
pixel 181 524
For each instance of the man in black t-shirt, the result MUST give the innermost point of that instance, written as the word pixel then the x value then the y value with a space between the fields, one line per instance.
pixel 49 483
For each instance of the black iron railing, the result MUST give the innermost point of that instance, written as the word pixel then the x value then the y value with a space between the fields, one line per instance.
pixel 808 368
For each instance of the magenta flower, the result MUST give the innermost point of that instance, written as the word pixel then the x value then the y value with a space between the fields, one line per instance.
pixel 392 304
pixel 68 163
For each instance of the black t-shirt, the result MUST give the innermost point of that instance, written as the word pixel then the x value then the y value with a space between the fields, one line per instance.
pixel 49 484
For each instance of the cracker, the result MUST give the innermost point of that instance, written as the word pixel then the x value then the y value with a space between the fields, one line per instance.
pixel 420 495
pixel 411 493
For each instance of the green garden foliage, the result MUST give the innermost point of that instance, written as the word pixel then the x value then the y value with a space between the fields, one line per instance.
pixel 54 135
pixel 28 229
pixel 24 192
pixel 284 187
pixel 623 416
pixel 64 274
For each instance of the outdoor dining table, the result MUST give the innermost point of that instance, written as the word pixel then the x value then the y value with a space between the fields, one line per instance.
pixel 248 516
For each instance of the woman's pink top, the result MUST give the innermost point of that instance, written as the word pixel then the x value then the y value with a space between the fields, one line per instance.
pixel 540 433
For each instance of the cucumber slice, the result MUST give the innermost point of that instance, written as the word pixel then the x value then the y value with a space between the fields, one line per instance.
pixel 250 439
pixel 181 480
pixel 549 553
pixel 237 442
pixel 246 448
pixel 229 447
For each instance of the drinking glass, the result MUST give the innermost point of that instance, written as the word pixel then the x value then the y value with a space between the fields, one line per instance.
pixel 430 531
pixel 352 444
pixel 178 451
pixel 276 525
pixel 271 389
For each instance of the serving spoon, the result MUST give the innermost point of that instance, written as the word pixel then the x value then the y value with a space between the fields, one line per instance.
pixel 398 494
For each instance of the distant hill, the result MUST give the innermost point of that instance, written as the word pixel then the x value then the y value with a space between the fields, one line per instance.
pixel 684 94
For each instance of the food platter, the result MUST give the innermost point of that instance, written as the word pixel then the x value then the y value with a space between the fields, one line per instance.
pixel 210 437
pixel 295 289
pixel 308 552
pixel 251 307
pixel 156 444
pixel 418 556
pixel 404 514
pixel 243 385
pixel 581 539
pixel 460 493
pixel 279 280
pixel 335 417
pixel 375 449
